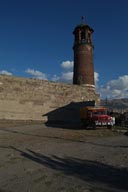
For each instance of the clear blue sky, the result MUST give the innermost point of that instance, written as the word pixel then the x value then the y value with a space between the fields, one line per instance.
pixel 36 38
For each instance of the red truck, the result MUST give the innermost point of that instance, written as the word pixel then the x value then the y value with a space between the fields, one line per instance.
pixel 92 117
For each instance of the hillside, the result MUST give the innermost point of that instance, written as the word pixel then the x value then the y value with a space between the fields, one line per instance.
pixel 116 104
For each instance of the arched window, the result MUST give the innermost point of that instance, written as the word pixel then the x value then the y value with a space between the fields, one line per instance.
pixel 83 35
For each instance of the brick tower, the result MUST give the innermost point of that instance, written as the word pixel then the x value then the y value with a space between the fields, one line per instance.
pixel 83 56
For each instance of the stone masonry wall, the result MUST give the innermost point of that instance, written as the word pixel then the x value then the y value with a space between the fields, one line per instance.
pixel 32 99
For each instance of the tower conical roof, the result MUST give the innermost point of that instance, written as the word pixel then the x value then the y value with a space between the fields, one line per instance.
pixel 83 25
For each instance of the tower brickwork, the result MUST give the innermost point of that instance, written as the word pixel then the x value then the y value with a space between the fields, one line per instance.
pixel 83 56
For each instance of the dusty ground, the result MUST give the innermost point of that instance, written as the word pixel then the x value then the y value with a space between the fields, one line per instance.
pixel 38 158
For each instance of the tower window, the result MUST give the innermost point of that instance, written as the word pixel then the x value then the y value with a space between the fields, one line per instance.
pixel 83 35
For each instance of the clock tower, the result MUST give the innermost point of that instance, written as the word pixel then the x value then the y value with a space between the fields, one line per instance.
pixel 83 56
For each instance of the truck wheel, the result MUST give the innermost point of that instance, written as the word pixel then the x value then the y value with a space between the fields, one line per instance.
pixel 85 125
pixel 93 125
pixel 109 126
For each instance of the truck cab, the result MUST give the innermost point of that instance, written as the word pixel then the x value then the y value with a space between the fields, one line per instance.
pixel 96 116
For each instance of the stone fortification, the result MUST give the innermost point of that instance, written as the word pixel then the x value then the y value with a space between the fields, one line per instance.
pixel 32 99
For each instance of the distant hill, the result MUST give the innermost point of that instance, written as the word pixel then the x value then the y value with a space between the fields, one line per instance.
pixel 116 104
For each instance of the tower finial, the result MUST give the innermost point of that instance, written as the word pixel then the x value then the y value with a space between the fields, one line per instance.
pixel 83 19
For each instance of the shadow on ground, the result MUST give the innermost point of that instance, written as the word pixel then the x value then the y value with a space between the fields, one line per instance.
pixel 87 170
pixel 67 116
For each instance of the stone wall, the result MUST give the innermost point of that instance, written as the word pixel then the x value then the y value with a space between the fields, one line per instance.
pixel 32 99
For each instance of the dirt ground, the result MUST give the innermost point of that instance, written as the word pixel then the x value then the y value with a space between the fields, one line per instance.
pixel 39 158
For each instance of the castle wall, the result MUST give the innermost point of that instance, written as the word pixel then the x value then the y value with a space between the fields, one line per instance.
pixel 32 99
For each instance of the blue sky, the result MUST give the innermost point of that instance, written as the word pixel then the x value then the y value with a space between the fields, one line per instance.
pixel 36 40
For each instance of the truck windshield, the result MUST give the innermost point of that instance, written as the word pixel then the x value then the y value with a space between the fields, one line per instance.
pixel 99 112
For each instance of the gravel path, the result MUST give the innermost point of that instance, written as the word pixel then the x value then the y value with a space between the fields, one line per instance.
pixel 36 158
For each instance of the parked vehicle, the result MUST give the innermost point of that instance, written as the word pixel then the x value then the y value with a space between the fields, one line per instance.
pixel 121 119
pixel 92 117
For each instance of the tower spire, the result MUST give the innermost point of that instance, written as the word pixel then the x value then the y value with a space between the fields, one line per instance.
pixel 83 19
